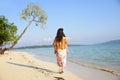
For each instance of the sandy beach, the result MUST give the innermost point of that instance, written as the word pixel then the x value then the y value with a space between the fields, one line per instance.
pixel 23 66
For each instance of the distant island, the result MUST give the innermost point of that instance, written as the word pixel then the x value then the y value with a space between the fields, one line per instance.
pixel 111 42
pixel 34 46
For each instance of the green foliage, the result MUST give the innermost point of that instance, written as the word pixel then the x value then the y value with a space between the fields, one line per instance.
pixel 7 32
pixel 34 13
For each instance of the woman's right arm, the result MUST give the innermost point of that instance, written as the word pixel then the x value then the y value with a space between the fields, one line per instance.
pixel 54 44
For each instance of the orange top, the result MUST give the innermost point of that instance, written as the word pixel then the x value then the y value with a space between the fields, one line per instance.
pixel 60 45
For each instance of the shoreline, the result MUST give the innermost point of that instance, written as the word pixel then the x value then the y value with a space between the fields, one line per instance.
pixel 46 67
pixel 84 64
pixel 96 67
pixel 71 65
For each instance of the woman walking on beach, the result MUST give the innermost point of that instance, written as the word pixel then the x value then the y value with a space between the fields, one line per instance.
pixel 61 49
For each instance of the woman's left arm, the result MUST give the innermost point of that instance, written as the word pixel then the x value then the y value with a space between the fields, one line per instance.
pixel 66 43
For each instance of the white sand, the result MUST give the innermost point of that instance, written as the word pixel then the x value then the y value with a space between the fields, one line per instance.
pixel 22 66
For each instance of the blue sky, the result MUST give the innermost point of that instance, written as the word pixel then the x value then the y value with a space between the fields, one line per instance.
pixel 84 21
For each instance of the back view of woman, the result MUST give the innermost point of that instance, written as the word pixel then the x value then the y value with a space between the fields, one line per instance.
pixel 61 49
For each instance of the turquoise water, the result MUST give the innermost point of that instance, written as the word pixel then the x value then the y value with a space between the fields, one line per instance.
pixel 104 57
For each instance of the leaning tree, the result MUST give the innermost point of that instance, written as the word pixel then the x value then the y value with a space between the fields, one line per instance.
pixel 33 13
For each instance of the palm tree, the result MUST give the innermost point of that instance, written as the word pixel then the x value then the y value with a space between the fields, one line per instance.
pixel 35 14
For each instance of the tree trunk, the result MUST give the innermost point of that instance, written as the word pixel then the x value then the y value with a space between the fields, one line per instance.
pixel 30 22
pixel 2 51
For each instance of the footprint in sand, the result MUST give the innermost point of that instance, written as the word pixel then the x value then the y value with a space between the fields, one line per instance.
pixel 59 78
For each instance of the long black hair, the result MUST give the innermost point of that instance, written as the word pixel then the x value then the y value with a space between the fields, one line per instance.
pixel 60 34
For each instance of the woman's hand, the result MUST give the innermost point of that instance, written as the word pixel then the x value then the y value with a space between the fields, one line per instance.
pixel 67 51
pixel 55 51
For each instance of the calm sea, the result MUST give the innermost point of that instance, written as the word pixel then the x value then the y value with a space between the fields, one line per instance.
pixel 104 57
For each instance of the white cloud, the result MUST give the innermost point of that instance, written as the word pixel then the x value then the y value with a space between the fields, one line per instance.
pixel 48 39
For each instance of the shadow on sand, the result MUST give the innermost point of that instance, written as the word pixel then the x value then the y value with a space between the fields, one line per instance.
pixel 42 69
